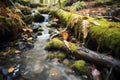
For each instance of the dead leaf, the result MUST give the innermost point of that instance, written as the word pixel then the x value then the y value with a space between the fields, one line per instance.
pixel 29 39
pixel 17 51
pixel 65 35
pixel 24 29
pixel 85 28
pixel 11 69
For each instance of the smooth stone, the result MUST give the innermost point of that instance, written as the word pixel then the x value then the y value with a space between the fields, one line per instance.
pixel 20 45
pixel 68 71
pixel 66 62
pixel 55 74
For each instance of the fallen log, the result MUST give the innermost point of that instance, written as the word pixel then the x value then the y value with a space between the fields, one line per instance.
pixel 97 58
pixel 90 56
pixel 104 37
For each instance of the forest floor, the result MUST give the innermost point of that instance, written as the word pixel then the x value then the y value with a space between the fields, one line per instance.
pixel 94 8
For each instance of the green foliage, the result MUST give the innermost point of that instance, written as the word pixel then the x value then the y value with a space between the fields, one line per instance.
pixel 79 5
pixel 80 66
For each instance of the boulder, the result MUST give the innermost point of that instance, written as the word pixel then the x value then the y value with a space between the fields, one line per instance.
pixel 38 18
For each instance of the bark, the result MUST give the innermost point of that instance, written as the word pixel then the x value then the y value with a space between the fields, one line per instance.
pixel 96 58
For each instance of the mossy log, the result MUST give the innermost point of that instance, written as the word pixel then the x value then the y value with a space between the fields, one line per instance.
pixel 104 37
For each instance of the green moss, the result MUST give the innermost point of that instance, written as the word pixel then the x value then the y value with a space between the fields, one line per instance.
pixel 50 56
pixel 48 45
pixel 80 67
pixel 55 43
pixel 61 55
pixel 73 47
pixel 107 36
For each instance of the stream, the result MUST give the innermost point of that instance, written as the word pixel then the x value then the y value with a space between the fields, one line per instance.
pixel 33 65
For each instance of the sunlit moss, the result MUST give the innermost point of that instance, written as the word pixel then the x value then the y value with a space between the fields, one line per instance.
pixel 73 47
pixel 55 43
pixel 80 66
pixel 107 37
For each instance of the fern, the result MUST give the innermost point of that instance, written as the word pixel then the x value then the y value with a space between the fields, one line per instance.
pixel 79 5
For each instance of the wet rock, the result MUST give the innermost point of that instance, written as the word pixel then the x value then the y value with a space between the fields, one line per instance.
pixel 29 45
pixel 36 28
pixel 20 45
pixel 40 29
pixel 5 71
pixel 51 30
pixel 74 77
pixel 66 62
pixel 34 36
pixel 55 74
pixel 68 71
pixel 38 18
pixel 38 68
pixel 54 24
pixel 24 37
pixel 50 56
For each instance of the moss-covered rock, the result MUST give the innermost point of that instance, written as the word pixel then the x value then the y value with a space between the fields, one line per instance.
pixel 80 66
pixel 38 17
pixel 55 43
pixel 61 55
pixel 50 56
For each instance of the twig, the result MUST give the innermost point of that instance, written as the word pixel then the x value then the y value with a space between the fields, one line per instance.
pixel 111 69
pixel 51 37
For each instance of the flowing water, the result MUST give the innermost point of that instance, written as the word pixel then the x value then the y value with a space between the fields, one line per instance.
pixel 33 65
pixel 36 67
